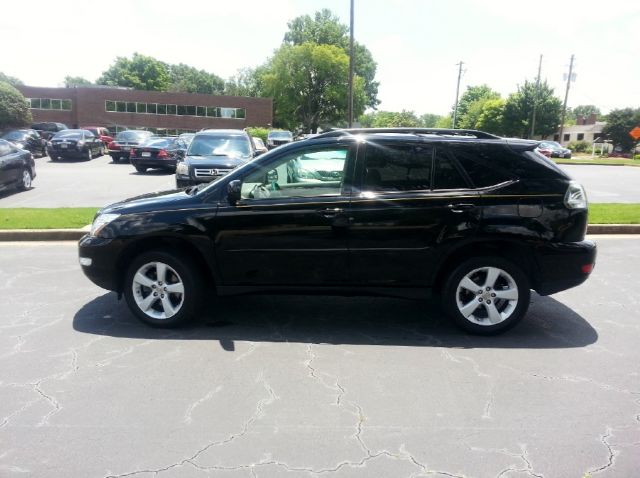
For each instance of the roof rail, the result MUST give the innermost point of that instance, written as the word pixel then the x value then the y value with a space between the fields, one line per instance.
pixel 416 131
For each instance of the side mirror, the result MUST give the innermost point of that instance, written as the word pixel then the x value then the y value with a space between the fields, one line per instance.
pixel 234 190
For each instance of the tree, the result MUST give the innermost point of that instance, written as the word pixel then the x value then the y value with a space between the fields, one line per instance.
pixel 246 82
pixel 184 78
pixel 491 117
pixel 308 84
pixel 140 72
pixel 71 81
pixel 429 120
pixel 390 119
pixel 468 98
pixel 325 29
pixel 14 110
pixel 12 80
pixel 619 123
pixel 584 110
pixel 518 111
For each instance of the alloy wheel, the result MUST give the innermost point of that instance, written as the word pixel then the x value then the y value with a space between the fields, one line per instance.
pixel 158 290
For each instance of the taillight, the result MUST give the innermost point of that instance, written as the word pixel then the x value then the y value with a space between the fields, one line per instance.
pixel 163 154
pixel 575 197
pixel 133 152
pixel 113 145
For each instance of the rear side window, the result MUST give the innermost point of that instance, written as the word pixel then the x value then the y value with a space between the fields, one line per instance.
pixel 477 163
pixel 447 175
pixel 397 167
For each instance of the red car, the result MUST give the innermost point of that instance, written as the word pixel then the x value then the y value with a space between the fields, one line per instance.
pixel 101 132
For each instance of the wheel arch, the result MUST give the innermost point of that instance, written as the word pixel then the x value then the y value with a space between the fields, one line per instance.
pixel 516 252
pixel 167 243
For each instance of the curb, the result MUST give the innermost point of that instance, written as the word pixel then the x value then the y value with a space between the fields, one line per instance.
pixel 75 234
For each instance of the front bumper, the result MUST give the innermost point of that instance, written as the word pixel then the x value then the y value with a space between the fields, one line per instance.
pixel 564 265
pixel 101 253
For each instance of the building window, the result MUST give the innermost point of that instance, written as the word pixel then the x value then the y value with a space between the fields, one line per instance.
pixel 580 136
pixel 141 108
pixel 131 107
pixel 213 112
pixel 113 106
pixel 35 103
pixel 566 137
pixel 110 106
pixel 121 107
pixel 172 110
pixel 201 111
pixel 56 104
pixel 152 108
pixel 162 109
pixel 49 104
pixel 228 112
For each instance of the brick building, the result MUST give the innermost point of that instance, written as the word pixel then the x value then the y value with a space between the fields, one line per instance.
pixel 586 129
pixel 160 112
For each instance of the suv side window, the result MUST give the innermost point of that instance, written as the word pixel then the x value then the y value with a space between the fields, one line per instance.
pixel 397 167
pixel 307 173
pixel 447 175
pixel 478 165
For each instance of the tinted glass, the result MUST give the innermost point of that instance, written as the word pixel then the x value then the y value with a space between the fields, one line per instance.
pixel 477 164
pixel 14 135
pixel 397 167
pixel 233 145
pixel 69 134
pixel 158 142
pixel 132 135
pixel 447 175
pixel 280 135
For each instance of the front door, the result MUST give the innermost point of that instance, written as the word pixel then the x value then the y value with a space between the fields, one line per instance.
pixel 290 226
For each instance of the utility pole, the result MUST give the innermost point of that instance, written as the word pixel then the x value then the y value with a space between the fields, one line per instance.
pixel 455 107
pixel 566 97
pixel 535 99
pixel 351 63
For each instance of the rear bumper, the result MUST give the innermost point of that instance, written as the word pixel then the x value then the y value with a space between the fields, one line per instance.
pixel 154 163
pixel 564 265
pixel 67 153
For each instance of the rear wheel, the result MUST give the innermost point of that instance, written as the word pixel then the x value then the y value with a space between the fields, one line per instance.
pixel 486 295
pixel 88 155
pixel 163 289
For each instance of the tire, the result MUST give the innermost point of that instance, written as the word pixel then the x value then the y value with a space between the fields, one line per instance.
pixel 486 295
pixel 25 180
pixel 141 169
pixel 142 281
pixel 88 156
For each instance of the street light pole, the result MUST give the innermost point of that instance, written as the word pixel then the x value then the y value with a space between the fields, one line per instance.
pixel 351 62
pixel 455 107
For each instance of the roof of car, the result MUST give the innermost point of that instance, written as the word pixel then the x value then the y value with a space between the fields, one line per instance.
pixel 222 131
pixel 440 132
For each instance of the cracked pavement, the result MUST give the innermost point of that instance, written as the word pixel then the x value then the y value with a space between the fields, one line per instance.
pixel 304 386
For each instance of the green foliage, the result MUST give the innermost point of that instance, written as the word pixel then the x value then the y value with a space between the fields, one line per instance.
pixel 518 111
pixel 184 78
pixel 140 72
pixel 308 83
pixel 579 146
pixel 325 29
pixel 583 110
pixel 491 117
pixel 71 81
pixel 258 133
pixel 246 82
pixel 469 105
pixel 12 80
pixel 445 122
pixel 390 119
pixel 429 120
pixel 619 123
pixel 14 110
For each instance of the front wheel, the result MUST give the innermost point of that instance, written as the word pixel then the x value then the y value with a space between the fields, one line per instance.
pixel 88 156
pixel 25 180
pixel 163 289
pixel 486 295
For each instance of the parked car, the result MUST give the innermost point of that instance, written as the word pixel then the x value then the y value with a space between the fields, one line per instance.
pixel 278 137
pixel 28 139
pixel 476 219
pixel 101 132
pixel 47 129
pixel 212 154
pixel 17 167
pixel 259 145
pixel 74 143
pixel 159 153
pixel 120 147
pixel 557 150
pixel 187 137
pixel 544 150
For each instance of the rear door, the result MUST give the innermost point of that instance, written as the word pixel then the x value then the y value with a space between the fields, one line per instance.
pixel 412 201
pixel 7 171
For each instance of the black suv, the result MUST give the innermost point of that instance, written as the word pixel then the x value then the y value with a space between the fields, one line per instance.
pixel 478 219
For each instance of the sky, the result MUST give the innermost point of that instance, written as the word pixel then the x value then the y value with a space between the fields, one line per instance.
pixel 416 43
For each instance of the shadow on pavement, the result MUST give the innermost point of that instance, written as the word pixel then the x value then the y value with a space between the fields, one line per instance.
pixel 340 320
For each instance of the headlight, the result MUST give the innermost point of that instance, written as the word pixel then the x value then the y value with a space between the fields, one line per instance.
pixel 101 221
pixel 80 144
pixel 182 168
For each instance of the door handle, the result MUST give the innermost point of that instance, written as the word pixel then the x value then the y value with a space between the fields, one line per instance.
pixel 458 208
pixel 330 212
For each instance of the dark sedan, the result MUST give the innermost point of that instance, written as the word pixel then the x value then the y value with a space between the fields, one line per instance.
pixel 28 139
pixel 159 153
pixel 17 167
pixel 120 148
pixel 75 143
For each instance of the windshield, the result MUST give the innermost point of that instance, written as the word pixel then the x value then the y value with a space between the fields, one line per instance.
pixel 158 142
pixel 280 135
pixel 14 135
pixel 132 135
pixel 68 133
pixel 232 146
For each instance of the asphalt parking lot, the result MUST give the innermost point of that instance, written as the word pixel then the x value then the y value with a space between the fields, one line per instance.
pixel 301 386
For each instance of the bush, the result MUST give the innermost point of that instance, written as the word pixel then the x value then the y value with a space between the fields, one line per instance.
pixel 579 146
pixel 258 133
pixel 13 107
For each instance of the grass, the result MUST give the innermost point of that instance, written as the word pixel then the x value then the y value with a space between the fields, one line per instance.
pixel 614 213
pixel 76 217
pixel 587 159
pixel 46 218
